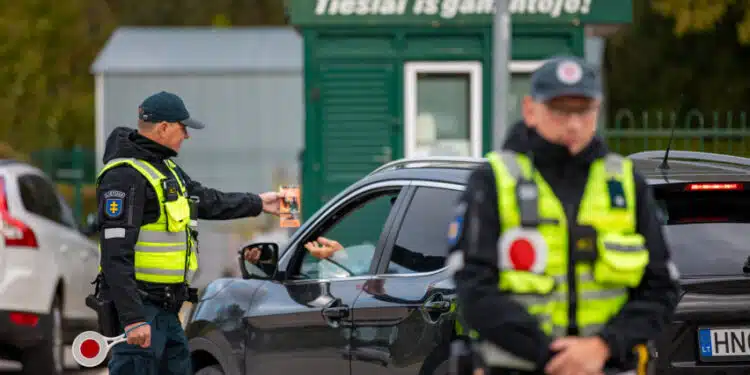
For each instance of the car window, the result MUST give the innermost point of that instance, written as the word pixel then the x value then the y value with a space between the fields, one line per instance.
pixel 68 219
pixel 421 244
pixel 357 227
pixel 39 197
pixel 707 231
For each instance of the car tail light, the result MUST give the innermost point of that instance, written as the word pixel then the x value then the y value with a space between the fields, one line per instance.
pixel 15 232
pixel 714 187
pixel 24 319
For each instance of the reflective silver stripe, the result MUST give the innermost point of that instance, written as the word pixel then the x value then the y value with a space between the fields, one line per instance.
pixel 584 278
pixel 527 195
pixel 539 299
pixel 603 294
pixel 160 248
pixel 161 272
pixel 162 237
pixel 535 299
pixel 624 248
pixel 152 172
pixel 613 164
pixel 511 164
pixel 495 356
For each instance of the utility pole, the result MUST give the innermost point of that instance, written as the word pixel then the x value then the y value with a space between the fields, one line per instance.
pixel 501 56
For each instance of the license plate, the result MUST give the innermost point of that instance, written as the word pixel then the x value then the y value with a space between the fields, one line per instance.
pixel 724 344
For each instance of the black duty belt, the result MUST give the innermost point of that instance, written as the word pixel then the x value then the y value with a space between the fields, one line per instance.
pixel 169 297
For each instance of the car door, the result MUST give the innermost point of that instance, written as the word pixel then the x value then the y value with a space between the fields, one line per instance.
pixel 84 253
pixel 304 323
pixel 45 216
pixel 403 319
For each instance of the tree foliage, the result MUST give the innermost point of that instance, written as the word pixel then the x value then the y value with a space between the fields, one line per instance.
pixel 648 69
pixel 47 89
pixel 48 47
pixel 705 15
pixel 198 12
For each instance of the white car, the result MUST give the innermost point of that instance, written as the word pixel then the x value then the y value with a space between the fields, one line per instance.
pixel 47 265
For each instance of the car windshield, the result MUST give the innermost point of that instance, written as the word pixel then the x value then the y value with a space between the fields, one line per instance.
pixel 707 231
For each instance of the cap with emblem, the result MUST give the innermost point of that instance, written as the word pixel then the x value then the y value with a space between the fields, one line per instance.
pixel 166 106
pixel 565 76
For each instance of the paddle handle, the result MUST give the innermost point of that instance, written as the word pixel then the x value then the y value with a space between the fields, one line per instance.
pixel 112 341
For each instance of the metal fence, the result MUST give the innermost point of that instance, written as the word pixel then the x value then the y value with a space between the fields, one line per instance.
pixel 720 132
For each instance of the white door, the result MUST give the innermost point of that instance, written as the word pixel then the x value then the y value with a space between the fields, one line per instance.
pixel 84 257
pixel 443 108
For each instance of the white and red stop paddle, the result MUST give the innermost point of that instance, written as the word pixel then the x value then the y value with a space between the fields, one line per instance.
pixel 90 348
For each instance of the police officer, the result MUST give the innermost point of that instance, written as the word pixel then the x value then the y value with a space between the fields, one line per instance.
pixel 565 270
pixel 148 208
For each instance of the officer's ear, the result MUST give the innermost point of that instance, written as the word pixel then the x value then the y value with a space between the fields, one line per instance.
pixel 162 127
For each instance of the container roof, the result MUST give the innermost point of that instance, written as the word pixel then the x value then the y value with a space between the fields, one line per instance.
pixel 200 50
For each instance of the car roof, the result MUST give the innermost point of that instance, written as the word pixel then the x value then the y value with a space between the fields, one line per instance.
pixel 4 162
pixel 683 167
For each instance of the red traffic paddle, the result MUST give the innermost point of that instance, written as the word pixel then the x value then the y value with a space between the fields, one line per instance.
pixel 90 348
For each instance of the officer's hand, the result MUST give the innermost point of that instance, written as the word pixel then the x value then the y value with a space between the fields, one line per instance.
pixel 140 336
pixel 252 255
pixel 272 202
pixel 578 355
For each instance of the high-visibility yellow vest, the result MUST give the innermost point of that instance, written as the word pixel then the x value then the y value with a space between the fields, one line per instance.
pixel 164 252
pixel 620 259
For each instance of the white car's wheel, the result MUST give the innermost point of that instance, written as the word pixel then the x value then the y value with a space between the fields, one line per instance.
pixel 47 358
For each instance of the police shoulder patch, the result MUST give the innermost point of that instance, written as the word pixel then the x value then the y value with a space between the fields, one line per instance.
pixel 456 225
pixel 114 201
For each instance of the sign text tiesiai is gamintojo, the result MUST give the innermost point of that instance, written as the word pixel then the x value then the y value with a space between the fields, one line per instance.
pixel 448 8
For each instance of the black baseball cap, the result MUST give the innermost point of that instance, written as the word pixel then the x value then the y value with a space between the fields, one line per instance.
pixel 565 76
pixel 166 106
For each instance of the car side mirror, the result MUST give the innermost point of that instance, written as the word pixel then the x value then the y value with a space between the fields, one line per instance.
pixel 259 260
pixel 91 226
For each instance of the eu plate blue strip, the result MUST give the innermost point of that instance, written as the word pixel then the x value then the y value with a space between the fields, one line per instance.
pixel 704 340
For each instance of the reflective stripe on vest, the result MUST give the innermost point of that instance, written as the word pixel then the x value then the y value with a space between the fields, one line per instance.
pixel 621 256
pixel 164 251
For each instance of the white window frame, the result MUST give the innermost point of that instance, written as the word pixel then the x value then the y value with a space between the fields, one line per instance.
pixel 525 66
pixel 473 69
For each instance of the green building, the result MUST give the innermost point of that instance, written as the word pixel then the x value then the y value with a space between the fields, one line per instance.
pixel 387 79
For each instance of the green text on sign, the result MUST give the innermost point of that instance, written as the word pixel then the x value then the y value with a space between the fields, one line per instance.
pixel 404 12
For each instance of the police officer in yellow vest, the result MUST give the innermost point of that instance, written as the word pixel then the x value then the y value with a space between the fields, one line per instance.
pixel 565 270
pixel 148 211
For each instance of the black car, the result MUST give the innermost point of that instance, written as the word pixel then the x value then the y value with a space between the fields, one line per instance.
pixel 384 305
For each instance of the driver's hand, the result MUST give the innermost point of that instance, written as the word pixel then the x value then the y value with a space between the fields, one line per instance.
pixel 330 243
pixel 252 255
pixel 323 247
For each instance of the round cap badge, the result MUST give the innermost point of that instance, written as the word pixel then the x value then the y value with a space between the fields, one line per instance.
pixel 569 72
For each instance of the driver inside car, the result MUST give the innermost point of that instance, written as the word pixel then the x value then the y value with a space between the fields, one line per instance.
pixel 402 260
pixel 325 248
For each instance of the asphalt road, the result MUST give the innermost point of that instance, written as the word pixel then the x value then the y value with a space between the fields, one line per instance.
pixel 13 368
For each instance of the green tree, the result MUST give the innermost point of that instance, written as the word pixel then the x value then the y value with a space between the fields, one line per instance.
pixel 705 15
pixel 198 12
pixel 47 49
pixel 649 69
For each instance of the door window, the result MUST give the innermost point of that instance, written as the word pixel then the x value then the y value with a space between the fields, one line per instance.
pixel 443 109
pixel 357 227
pixel 40 198
pixel 421 244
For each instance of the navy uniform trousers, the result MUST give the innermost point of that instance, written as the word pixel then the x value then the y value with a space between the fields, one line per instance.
pixel 167 355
